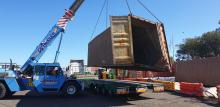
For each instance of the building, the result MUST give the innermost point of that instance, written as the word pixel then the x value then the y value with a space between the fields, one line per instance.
pixel 76 66
pixel 92 70
pixel 7 66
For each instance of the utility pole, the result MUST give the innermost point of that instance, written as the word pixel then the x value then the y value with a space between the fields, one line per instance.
pixel 172 44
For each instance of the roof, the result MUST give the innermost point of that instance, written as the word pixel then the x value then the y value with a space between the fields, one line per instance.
pixel 80 61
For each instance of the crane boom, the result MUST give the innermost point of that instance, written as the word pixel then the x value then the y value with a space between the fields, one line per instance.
pixel 52 35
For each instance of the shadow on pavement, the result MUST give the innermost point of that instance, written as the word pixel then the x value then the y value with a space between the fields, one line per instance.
pixel 85 100
pixel 209 101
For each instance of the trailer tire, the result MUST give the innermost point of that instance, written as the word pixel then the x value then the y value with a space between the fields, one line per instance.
pixel 110 93
pixel 70 89
pixel 3 91
pixel 104 91
pixel 134 95
pixel 97 89
pixel 92 88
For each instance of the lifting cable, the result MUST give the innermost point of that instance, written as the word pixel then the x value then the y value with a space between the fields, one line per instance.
pixel 107 9
pixel 128 7
pixel 98 20
pixel 145 7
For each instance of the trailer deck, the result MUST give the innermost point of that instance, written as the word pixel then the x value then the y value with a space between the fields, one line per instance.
pixel 115 87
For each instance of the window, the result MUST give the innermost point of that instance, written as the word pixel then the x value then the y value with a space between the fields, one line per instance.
pixel 53 71
pixel 39 70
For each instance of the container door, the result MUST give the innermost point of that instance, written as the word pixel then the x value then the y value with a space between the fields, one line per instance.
pixel 121 34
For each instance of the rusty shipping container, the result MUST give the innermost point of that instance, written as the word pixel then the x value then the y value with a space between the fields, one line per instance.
pixel 130 43
pixel 206 71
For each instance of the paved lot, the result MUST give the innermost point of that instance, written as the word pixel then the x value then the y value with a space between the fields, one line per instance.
pixel 149 99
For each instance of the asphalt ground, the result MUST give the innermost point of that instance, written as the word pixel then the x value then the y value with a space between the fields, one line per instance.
pixel 149 99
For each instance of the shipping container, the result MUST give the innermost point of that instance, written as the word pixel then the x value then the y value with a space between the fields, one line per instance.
pixel 130 43
pixel 206 71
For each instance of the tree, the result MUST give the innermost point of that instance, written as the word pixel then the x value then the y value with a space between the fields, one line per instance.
pixel 208 45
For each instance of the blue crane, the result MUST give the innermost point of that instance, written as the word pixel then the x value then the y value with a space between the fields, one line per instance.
pixel 51 36
pixel 43 77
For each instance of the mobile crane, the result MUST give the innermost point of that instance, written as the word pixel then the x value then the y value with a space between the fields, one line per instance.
pixel 42 77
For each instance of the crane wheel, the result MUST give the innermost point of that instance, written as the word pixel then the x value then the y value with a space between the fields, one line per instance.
pixel 70 89
pixel 3 91
pixel 104 91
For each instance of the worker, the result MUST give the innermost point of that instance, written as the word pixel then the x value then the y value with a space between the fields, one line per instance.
pixel 55 71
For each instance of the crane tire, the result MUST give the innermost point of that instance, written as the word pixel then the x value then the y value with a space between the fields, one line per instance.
pixel 70 89
pixel 3 91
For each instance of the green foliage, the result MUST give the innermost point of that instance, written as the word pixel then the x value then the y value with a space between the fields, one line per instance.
pixel 208 45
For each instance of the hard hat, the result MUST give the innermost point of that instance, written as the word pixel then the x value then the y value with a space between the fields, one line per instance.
pixel 56 68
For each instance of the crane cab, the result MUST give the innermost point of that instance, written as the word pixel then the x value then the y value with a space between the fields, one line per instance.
pixel 48 77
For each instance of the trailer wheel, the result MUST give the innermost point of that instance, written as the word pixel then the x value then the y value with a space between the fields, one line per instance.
pixel 3 91
pixel 104 91
pixel 110 93
pixel 134 95
pixel 70 89
pixel 97 89
pixel 92 88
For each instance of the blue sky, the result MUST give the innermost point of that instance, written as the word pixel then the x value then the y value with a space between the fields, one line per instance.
pixel 24 23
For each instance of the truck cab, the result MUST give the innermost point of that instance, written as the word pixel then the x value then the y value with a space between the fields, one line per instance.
pixel 48 77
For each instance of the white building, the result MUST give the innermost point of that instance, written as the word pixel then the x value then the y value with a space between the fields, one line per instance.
pixel 76 66
pixel 8 65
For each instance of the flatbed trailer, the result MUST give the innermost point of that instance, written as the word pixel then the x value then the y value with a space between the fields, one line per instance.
pixel 115 87
pixel 157 87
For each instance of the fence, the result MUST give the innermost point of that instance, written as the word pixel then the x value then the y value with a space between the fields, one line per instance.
pixel 206 71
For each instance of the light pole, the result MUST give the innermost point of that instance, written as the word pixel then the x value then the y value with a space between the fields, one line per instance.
pixel 173 46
